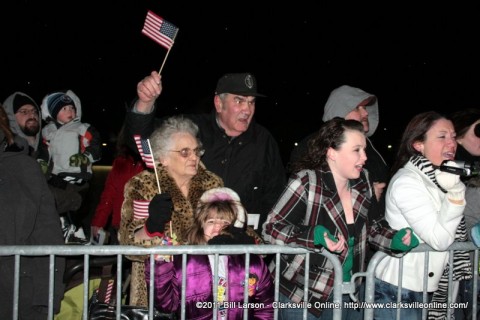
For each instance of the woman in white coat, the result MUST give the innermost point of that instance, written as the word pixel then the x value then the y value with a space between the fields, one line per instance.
pixel 427 200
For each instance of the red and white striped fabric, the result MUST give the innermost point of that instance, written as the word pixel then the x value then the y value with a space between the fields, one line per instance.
pixel 108 294
pixel 144 150
pixel 140 209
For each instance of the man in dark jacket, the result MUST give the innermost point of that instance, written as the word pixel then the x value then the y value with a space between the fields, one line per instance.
pixel 242 152
pixel 28 217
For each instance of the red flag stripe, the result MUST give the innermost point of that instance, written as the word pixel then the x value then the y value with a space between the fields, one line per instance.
pixel 144 151
pixel 108 294
pixel 140 209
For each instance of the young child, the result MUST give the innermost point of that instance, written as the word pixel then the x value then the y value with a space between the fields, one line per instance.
pixel 219 219
pixel 68 151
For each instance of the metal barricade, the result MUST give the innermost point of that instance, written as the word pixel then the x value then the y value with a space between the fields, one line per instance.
pixel 370 279
pixel 90 252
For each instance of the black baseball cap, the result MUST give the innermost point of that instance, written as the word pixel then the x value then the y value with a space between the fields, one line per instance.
pixel 243 84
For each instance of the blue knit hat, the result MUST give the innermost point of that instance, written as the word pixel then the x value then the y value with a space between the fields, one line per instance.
pixel 56 101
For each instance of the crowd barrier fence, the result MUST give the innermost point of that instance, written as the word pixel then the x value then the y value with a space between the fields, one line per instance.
pixel 93 253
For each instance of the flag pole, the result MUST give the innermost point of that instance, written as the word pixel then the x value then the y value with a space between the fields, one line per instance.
pixel 160 31
pixel 166 56
pixel 158 182
pixel 164 59
pixel 154 166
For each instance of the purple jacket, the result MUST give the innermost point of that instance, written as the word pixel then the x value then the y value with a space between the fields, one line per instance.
pixel 168 286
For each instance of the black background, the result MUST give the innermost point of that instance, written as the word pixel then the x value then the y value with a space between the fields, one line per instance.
pixel 413 58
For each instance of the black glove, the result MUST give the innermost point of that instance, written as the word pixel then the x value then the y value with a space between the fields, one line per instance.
pixel 232 235
pixel 159 213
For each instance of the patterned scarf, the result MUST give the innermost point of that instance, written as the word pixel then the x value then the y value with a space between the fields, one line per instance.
pixel 462 267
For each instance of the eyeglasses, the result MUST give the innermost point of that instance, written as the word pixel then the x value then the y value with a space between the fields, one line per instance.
pixel 27 112
pixel 187 152
pixel 218 222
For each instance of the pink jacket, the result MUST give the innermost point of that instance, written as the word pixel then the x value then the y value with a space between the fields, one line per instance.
pixel 199 290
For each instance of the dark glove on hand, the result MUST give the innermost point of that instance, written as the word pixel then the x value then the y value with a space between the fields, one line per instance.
pixel 159 213
pixel 78 159
pixel 232 235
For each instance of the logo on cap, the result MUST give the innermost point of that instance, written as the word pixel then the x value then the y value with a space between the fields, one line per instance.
pixel 249 81
pixel 243 84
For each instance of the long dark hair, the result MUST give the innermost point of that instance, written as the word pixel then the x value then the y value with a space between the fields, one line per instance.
pixel 330 135
pixel 5 127
pixel 415 131
pixel 463 119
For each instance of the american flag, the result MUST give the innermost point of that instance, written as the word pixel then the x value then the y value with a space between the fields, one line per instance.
pixel 144 150
pixel 108 294
pixel 140 209
pixel 159 30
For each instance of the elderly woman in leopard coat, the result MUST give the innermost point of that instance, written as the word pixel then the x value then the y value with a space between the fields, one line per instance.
pixel 182 179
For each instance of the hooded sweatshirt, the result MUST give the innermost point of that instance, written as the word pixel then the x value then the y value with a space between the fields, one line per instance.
pixel 344 99
pixel 341 102
pixel 8 105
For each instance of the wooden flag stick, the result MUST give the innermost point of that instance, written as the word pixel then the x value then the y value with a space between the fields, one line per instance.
pixel 171 234
pixel 166 56
pixel 165 59
pixel 158 182
pixel 154 166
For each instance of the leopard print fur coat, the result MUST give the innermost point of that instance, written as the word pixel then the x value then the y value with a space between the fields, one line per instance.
pixel 143 186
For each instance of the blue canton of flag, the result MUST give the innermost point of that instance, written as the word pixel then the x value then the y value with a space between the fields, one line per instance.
pixel 168 29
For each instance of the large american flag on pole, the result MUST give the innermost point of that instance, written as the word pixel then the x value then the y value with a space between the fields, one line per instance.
pixel 159 30
pixel 144 150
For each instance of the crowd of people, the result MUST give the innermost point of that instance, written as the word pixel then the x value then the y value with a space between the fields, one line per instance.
pixel 337 194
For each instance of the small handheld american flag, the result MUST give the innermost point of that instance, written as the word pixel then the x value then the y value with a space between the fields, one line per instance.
pixel 144 150
pixel 159 30
pixel 140 209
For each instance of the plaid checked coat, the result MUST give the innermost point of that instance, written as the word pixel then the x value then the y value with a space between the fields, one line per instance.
pixel 310 199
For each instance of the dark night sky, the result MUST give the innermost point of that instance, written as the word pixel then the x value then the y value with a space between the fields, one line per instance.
pixel 414 59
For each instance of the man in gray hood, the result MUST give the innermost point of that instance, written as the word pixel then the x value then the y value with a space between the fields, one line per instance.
pixel 355 104
pixel 24 118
